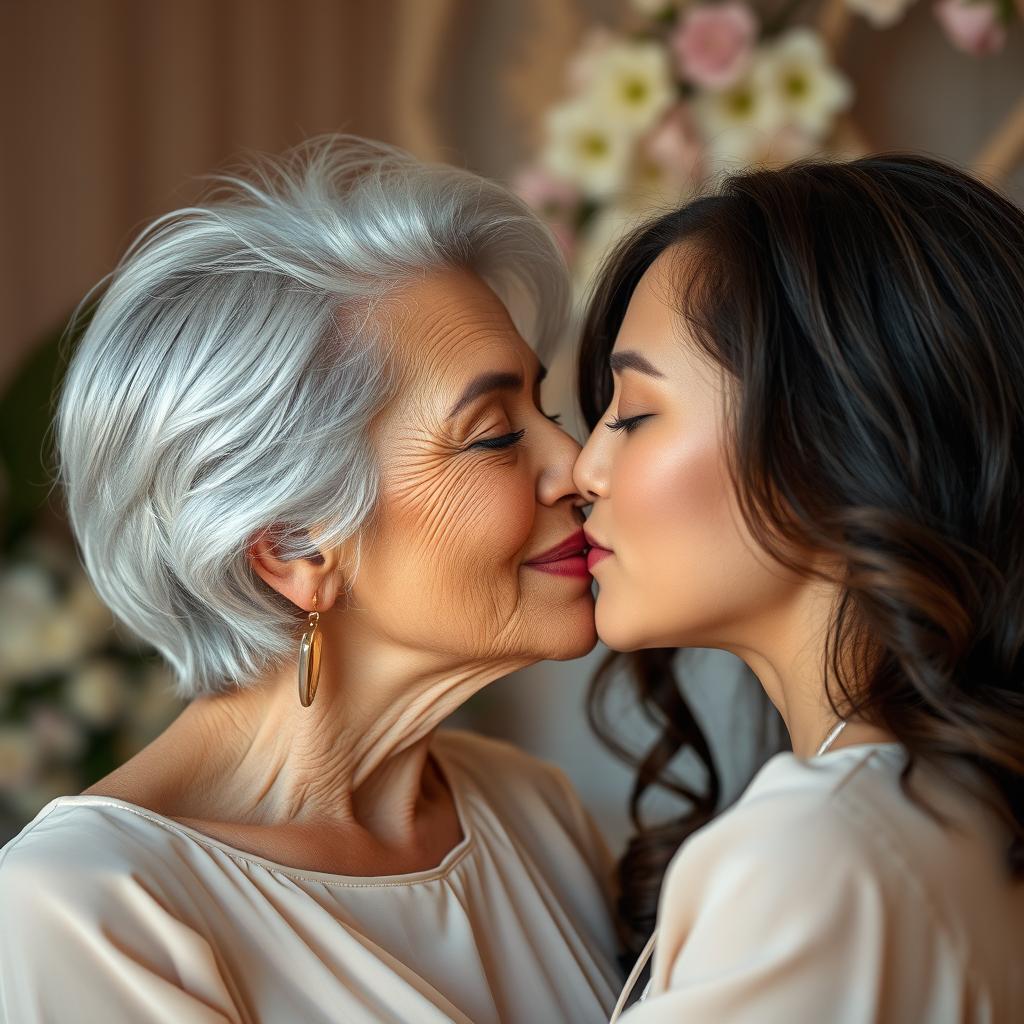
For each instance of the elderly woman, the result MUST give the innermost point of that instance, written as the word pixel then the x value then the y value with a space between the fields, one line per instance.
pixel 302 434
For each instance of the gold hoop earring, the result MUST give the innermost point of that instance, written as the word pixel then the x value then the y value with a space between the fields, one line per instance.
pixel 309 658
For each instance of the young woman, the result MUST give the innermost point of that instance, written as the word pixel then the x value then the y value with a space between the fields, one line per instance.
pixel 806 393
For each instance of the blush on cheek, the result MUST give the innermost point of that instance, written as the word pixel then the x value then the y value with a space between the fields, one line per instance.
pixel 671 497
pixel 675 541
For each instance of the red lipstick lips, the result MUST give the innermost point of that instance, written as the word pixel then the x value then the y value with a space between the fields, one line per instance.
pixel 566 559
pixel 596 553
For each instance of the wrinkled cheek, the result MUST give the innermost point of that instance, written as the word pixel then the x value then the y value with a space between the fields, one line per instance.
pixel 449 559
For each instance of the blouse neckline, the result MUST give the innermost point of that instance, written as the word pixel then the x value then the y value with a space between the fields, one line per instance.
pixel 448 769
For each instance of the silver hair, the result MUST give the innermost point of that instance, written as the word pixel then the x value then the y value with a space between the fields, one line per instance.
pixel 224 384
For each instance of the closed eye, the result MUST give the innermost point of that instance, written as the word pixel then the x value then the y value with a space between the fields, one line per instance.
pixel 505 441
pixel 629 424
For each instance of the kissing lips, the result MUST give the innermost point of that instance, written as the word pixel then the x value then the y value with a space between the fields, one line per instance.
pixel 569 558
pixel 596 553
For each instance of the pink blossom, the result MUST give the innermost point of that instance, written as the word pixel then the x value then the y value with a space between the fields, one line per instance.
pixel 972 27
pixel 556 201
pixel 543 191
pixel 565 236
pixel 675 146
pixel 713 43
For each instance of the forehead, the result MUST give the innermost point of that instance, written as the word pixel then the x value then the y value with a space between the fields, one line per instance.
pixel 448 326
pixel 650 315
pixel 653 324
pixel 448 329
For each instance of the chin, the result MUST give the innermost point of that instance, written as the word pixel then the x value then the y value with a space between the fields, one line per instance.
pixel 614 631
pixel 576 635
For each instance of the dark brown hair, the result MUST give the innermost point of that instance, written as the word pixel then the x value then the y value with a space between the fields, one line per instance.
pixel 870 314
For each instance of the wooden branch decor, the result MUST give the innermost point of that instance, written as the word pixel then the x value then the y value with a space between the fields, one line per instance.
pixel 1004 151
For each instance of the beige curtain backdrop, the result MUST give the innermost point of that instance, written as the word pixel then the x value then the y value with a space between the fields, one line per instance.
pixel 111 108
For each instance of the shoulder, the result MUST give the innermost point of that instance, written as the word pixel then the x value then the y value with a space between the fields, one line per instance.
pixel 101 867
pixel 76 866
pixel 825 827
pixel 792 814
pixel 798 899
pixel 69 829
pixel 91 899
pixel 81 851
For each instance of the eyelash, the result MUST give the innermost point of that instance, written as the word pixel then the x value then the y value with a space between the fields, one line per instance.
pixel 629 424
pixel 508 440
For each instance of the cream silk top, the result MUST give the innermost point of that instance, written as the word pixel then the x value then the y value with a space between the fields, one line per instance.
pixel 824 895
pixel 113 913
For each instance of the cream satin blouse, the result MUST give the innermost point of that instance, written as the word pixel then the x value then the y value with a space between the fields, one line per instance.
pixel 824 895
pixel 113 913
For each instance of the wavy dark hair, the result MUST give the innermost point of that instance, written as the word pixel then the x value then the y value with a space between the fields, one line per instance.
pixel 869 316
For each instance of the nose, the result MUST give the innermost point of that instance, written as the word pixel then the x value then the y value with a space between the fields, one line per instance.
pixel 555 481
pixel 590 472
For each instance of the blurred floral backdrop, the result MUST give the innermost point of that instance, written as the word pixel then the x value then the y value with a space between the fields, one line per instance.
pixel 78 694
pixel 686 91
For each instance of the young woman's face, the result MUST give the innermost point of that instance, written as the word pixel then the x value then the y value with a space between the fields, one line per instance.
pixel 682 570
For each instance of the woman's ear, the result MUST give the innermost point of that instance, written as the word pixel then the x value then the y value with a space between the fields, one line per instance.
pixel 298 579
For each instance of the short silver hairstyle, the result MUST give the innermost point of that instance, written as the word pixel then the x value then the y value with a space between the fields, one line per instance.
pixel 226 379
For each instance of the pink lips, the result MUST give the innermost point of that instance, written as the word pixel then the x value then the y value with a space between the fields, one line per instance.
pixel 566 559
pixel 596 553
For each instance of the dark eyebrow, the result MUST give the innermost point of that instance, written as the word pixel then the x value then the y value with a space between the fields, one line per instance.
pixel 494 380
pixel 633 361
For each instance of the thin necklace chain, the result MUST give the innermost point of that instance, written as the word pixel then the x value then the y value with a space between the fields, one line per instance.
pixel 827 742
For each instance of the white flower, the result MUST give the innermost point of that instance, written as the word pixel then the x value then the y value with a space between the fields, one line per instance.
pixel 632 83
pixel 655 184
pixel 586 149
pixel 96 692
pixel 736 119
pixel 19 757
pixel 761 149
pixel 881 13
pixel 807 89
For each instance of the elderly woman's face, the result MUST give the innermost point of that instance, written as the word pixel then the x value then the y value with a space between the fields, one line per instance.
pixel 476 483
